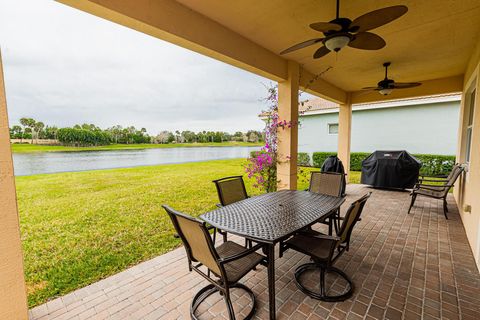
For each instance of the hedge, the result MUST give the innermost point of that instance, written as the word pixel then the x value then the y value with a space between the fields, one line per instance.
pixel 303 159
pixel 432 164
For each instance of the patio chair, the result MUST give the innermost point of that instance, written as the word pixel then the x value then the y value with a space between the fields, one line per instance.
pixel 425 188
pixel 230 190
pixel 331 184
pixel 228 262
pixel 324 250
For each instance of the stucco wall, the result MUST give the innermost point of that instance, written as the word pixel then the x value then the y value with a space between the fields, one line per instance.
pixel 467 191
pixel 427 128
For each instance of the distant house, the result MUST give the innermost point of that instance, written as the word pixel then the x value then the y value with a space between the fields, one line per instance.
pixel 426 125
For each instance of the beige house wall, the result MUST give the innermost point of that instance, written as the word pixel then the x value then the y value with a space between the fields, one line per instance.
pixel 467 192
pixel 13 299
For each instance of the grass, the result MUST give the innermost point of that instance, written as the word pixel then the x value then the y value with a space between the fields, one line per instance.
pixel 25 148
pixel 80 227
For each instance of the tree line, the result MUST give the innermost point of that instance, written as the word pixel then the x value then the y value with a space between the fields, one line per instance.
pixel 92 135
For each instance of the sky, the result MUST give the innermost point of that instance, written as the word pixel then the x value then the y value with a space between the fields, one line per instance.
pixel 63 66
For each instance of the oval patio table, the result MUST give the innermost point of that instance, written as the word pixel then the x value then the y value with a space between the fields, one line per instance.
pixel 271 218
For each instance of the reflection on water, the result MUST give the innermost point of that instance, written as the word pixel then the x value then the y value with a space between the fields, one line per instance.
pixel 50 162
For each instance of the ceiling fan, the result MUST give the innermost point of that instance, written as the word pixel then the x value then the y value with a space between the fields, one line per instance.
pixel 341 32
pixel 386 86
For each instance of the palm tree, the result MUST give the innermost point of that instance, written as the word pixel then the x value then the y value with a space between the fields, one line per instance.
pixel 28 123
pixel 38 127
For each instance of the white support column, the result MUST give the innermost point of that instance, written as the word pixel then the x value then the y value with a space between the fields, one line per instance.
pixel 13 298
pixel 288 137
pixel 344 134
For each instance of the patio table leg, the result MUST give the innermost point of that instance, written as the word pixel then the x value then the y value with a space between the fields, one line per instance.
pixel 271 280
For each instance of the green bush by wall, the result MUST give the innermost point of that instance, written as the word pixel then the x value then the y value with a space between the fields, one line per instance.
pixel 303 159
pixel 432 164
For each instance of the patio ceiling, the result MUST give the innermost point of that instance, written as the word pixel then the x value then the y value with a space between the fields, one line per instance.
pixel 433 41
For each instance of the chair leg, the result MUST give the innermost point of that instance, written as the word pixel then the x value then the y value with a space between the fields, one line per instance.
pixel 322 281
pixel 211 289
pixel 330 225
pixel 414 197
pixel 322 295
pixel 445 209
pixel 337 221
pixel 228 302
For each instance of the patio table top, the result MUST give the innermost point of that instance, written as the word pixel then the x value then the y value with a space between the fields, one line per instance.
pixel 273 216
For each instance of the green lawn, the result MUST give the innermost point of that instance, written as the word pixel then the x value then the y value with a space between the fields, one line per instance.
pixel 23 148
pixel 80 227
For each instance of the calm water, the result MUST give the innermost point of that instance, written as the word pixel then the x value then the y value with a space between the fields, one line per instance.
pixel 50 162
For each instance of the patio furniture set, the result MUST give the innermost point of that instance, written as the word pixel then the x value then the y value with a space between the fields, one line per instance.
pixel 286 218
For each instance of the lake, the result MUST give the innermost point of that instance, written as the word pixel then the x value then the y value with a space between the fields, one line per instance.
pixel 51 162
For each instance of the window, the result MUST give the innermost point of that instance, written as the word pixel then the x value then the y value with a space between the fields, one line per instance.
pixel 333 128
pixel 471 112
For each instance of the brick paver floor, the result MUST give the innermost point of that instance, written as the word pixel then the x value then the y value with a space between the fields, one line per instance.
pixel 416 266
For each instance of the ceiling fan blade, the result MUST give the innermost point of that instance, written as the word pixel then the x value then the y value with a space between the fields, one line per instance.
pixel 301 45
pixel 405 85
pixel 377 18
pixel 320 52
pixel 367 41
pixel 371 88
pixel 325 26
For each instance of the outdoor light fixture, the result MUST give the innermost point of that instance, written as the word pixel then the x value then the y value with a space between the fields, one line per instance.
pixel 385 92
pixel 336 43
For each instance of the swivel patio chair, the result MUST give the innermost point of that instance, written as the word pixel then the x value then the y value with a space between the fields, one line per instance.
pixel 230 190
pixel 324 251
pixel 228 262
pixel 331 184
pixel 425 188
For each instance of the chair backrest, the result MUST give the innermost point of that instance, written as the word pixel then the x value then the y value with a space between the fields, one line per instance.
pixel 196 239
pixel 351 218
pixel 329 183
pixel 452 177
pixel 230 190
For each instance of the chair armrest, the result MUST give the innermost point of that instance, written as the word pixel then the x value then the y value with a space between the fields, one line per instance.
pixel 419 186
pixel 343 218
pixel 435 176
pixel 319 236
pixel 241 254
pixel 433 180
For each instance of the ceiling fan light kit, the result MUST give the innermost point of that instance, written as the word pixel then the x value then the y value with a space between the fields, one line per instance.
pixel 385 92
pixel 336 43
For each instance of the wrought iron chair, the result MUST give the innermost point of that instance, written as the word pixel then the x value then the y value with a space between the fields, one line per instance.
pixel 425 188
pixel 228 262
pixel 324 250
pixel 329 183
pixel 230 190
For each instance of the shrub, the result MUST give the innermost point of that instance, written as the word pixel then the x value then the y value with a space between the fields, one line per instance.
pixel 356 159
pixel 432 164
pixel 320 157
pixel 303 159
pixel 83 137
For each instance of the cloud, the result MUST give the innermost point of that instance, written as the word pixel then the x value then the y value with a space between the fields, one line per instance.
pixel 63 66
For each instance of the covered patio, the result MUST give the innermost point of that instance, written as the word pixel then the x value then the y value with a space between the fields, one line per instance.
pixel 403 266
